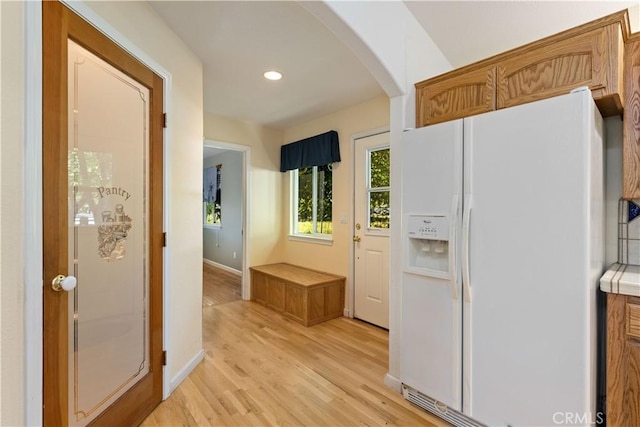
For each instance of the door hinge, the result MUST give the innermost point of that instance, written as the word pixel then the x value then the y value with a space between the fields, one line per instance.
pixel 164 358
pixel 164 120
pixel 164 240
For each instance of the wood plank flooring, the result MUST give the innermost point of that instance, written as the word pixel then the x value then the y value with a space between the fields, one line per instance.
pixel 219 286
pixel 261 369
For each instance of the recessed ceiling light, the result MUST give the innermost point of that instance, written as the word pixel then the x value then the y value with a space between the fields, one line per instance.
pixel 272 75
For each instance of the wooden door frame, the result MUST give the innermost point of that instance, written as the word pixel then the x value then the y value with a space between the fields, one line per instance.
pixel 352 184
pixel 75 27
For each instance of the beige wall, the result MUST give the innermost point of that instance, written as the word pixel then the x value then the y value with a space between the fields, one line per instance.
pixel 139 23
pixel 265 182
pixel 12 72
pixel 360 118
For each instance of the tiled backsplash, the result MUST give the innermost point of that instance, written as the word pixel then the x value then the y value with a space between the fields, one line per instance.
pixel 629 232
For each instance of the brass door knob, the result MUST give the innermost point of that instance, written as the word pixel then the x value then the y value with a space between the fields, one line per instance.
pixel 356 238
pixel 64 283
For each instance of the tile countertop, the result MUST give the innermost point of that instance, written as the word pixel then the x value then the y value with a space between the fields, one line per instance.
pixel 621 279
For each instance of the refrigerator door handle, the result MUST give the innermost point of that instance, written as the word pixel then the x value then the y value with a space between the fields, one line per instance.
pixel 466 225
pixel 453 249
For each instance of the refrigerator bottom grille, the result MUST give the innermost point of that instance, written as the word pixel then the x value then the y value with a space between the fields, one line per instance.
pixel 438 409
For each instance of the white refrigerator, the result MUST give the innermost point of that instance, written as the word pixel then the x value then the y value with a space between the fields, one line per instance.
pixel 502 228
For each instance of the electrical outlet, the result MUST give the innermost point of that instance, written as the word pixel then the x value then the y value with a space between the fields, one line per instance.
pixel 234 255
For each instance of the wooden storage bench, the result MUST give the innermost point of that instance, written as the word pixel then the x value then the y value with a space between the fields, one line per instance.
pixel 304 295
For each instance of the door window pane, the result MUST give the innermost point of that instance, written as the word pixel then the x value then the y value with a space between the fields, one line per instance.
pixel 379 209
pixel 378 189
pixel 379 161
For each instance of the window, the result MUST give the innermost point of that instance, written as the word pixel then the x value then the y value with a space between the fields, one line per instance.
pixel 212 213
pixel 378 188
pixel 311 198
pixel 310 161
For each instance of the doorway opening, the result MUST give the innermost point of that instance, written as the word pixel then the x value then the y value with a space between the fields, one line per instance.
pixel 224 219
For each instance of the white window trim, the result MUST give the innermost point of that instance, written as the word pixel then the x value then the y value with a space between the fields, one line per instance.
pixel 319 238
pixel 310 238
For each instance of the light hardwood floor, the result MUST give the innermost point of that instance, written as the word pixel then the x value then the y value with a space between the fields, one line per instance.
pixel 261 369
pixel 219 286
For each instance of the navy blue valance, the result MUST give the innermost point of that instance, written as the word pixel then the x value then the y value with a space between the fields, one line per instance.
pixel 317 150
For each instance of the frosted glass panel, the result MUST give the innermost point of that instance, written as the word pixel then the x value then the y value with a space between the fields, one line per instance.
pixel 108 232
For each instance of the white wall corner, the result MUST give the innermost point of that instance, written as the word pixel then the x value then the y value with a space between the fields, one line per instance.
pixel 393 383
pixel 398 120
pixel 185 371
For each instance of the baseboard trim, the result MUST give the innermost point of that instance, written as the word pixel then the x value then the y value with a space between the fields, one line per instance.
pixel 393 382
pixel 222 267
pixel 186 370
pixel 346 313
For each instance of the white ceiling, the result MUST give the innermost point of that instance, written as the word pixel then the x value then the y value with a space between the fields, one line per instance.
pixel 468 31
pixel 238 40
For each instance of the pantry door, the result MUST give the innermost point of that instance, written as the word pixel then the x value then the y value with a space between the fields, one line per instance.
pixel 102 221
pixel 371 229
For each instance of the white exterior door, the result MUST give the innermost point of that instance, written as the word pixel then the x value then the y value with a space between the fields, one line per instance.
pixel 371 229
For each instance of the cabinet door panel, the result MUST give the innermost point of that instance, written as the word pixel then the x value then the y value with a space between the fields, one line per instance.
pixel 631 122
pixel 590 59
pixel 275 294
pixel 633 321
pixel 455 96
pixel 259 287
pixel 623 361
pixel 334 300
pixel 295 302
pixel 317 303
